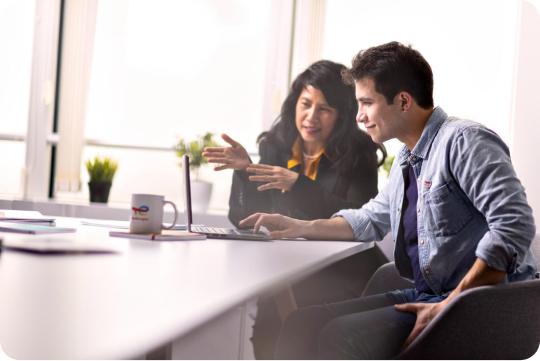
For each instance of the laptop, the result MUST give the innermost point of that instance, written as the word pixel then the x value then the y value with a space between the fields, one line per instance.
pixel 209 231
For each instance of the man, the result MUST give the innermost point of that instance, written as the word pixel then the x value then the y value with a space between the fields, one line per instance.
pixel 453 203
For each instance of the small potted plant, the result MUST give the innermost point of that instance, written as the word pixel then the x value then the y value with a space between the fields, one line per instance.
pixel 101 172
pixel 201 191
pixel 387 165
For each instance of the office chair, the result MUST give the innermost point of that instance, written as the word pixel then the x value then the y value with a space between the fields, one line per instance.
pixel 488 322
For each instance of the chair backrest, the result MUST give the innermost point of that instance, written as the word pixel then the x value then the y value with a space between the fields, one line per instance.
pixel 489 322
pixel 386 245
pixel 536 249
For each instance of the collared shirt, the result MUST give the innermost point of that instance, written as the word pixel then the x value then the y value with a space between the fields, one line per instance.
pixel 311 167
pixel 470 205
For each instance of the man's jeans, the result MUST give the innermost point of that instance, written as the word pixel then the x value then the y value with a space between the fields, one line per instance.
pixel 361 328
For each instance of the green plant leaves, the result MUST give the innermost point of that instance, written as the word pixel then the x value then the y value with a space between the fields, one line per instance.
pixel 101 169
pixel 195 148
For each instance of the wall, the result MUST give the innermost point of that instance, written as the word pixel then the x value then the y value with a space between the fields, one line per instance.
pixel 526 111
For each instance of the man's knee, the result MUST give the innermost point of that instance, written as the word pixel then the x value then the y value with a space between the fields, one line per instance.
pixel 338 340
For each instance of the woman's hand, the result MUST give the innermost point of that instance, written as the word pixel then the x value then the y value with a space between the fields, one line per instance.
pixel 273 177
pixel 233 157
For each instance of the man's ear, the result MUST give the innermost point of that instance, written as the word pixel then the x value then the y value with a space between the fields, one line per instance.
pixel 405 101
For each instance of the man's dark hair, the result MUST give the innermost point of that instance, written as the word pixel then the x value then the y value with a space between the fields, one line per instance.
pixel 394 67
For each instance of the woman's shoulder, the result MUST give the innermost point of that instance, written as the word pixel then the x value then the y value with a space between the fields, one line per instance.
pixel 270 150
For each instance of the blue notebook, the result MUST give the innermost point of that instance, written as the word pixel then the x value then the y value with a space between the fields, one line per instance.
pixel 30 228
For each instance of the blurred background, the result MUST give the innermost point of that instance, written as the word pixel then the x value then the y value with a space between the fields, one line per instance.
pixel 127 79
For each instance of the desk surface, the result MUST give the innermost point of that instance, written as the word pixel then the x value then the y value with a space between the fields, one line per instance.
pixel 123 305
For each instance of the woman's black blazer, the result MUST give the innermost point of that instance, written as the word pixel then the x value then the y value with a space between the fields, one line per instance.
pixel 331 191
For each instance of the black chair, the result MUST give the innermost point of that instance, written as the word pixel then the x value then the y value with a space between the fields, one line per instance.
pixel 488 322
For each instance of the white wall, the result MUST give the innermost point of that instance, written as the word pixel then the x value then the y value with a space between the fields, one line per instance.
pixel 526 112
pixel 470 46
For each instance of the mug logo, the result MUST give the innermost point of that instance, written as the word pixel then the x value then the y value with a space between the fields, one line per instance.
pixel 140 211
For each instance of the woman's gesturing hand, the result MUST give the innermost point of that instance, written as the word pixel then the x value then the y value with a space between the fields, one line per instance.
pixel 233 157
pixel 273 177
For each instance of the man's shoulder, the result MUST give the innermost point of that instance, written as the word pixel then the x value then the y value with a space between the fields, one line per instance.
pixel 454 128
pixel 459 133
pixel 456 124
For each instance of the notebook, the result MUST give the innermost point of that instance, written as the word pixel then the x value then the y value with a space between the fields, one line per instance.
pixel 9 215
pixel 210 231
pixel 55 244
pixel 166 235
pixel 32 228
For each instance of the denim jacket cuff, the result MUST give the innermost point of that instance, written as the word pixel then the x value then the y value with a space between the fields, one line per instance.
pixel 497 253
pixel 358 224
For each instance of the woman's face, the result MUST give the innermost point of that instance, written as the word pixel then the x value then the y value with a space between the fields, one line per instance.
pixel 315 119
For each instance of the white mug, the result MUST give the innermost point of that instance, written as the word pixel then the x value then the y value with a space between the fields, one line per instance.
pixel 147 213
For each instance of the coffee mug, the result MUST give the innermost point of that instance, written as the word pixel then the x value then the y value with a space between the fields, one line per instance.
pixel 147 213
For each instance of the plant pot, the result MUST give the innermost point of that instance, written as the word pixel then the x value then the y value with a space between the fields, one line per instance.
pixel 201 191
pixel 99 191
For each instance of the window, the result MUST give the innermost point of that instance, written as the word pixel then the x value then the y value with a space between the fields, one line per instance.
pixel 16 39
pixel 168 69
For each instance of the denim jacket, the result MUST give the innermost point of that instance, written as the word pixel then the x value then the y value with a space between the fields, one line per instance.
pixel 470 205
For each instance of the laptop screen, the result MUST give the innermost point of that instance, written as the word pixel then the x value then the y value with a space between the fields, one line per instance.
pixel 187 194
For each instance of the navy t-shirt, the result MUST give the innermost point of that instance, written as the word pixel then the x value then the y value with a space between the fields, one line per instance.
pixel 410 231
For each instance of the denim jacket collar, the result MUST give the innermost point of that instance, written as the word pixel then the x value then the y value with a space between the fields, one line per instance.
pixel 421 149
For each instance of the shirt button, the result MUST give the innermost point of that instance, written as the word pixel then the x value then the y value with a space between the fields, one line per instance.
pixel 418 211
pixel 421 241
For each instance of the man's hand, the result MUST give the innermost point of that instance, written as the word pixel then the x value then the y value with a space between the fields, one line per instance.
pixel 273 177
pixel 334 229
pixel 278 225
pixel 425 312
pixel 480 274
pixel 233 157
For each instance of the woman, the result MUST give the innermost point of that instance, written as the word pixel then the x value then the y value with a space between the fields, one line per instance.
pixel 314 160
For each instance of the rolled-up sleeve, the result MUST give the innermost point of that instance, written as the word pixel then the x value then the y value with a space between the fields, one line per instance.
pixel 481 163
pixel 372 221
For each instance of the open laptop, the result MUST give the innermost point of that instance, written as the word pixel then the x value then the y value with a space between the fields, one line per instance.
pixel 213 232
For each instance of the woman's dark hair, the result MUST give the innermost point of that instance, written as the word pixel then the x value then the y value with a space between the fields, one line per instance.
pixel 347 144
pixel 394 67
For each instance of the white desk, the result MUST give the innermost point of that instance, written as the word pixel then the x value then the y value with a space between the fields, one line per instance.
pixel 124 305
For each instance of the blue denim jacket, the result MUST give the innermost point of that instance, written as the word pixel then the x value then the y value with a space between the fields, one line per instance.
pixel 470 204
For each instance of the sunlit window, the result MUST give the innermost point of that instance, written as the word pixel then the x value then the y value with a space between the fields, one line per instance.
pixel 16 41
pixel 167 69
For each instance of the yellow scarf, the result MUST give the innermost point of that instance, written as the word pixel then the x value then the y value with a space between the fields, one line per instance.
pixel 311 165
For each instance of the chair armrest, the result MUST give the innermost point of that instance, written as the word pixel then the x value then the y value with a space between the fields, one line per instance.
pixel 488 322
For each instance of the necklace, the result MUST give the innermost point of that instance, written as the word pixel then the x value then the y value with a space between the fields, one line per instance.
pixel 307 156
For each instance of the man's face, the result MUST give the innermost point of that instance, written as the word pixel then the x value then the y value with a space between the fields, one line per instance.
pixel 382 120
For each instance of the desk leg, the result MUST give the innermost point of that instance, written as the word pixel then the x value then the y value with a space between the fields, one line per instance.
pixel 285 302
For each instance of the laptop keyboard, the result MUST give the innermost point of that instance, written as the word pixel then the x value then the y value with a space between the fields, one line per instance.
pixel 218 230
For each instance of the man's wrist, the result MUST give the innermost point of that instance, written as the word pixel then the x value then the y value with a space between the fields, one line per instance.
pixel 308 228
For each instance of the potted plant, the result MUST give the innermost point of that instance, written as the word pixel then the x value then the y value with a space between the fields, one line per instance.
pixel 387 165
pixel 101 172
pixel 201 190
